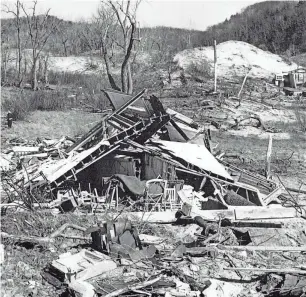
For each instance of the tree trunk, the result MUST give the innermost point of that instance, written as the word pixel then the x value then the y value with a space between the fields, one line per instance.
pixel 19 54
pixel 124 67
pixel 129 79
pixel 46 79
pixel 65 49
pixel 123 78
pixel 108 71
pixel 34 74
pixel 4 67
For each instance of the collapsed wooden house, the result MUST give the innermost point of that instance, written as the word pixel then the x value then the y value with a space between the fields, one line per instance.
pixel 142 139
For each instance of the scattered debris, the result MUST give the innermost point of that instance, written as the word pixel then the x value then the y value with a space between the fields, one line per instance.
pixel 160 210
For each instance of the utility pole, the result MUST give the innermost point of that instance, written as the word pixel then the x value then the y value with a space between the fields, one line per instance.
pixel 215 65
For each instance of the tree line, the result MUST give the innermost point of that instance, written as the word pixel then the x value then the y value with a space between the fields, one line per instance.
pixel 276 26
pixel 115 35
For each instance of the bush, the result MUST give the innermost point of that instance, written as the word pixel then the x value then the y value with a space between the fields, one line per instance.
pixel 300 115
pixel 48 100
pixel 22 102
pixel 18 105
pixel 199 69
pixel 86 81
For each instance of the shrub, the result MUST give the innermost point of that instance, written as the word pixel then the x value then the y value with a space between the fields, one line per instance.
pixel 18 105
pixel 22 102
pixel 300 115
pixel 199 68
pixel 48 100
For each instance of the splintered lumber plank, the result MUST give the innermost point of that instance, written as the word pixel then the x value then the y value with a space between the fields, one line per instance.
pixel 258 212
pixel 251 248
pixel 47 239
pixel 133 287
pixel 21 238
pixel 277 270
pixel 151 217
pixel 214 214
pixel 247 213
pixel 256 224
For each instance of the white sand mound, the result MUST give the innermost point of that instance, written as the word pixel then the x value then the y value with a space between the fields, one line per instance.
pixel 235 58
pixel 75 64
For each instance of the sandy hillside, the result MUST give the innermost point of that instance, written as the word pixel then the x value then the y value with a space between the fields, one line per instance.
pixel 76 64
pixel 235 58
pixel 86 64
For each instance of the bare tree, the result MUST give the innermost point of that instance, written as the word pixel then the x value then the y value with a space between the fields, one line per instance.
pixel 105 28
pixel 5 59
pixel 117 25
pixel 40 28
pixel 16 13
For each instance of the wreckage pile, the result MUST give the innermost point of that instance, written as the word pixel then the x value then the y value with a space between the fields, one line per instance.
pixel 144 165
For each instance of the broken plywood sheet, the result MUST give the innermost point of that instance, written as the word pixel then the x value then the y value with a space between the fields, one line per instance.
pixel 248 213
pixel 54 169
pixel 190 133
pixel 197 155
pixel 269 212
pixel 83 265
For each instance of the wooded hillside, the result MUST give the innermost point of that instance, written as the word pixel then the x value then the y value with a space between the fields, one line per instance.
pixel 277 26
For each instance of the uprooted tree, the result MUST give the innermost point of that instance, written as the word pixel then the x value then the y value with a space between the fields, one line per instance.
pixel 116 26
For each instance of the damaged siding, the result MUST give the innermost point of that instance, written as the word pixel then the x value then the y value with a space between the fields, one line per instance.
pixel 153 167
pixel 106 168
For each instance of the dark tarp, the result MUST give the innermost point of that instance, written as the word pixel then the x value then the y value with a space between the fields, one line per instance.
pixel 136 187
pixel 131 184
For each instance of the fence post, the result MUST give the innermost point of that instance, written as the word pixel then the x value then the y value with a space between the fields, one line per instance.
pixel 9 119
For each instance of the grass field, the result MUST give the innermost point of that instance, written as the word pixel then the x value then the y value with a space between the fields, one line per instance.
pixel 52 124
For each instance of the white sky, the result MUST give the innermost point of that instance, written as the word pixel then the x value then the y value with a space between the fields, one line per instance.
pixel 196 14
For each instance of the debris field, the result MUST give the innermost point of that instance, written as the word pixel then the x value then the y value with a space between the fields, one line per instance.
pixel 141 205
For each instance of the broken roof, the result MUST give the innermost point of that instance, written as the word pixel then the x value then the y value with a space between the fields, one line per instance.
pixel 195 154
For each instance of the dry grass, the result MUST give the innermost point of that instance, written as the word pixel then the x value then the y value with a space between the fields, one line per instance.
pixel 288 155
pixel 23 262
pixel 52 124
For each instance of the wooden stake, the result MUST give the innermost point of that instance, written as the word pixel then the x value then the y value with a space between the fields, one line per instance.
pixel 244 80
pixel 215 65
pixel 268 159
